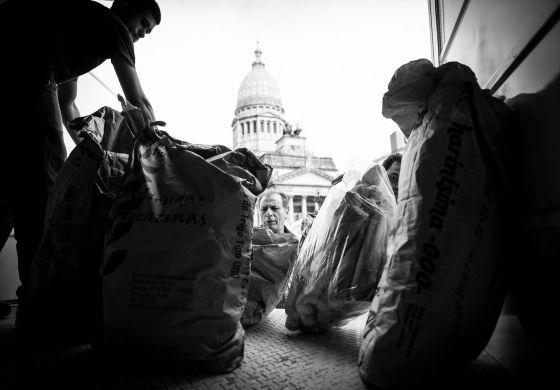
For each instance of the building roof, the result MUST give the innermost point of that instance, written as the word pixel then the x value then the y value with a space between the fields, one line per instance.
pixel 258 87
pixel 310 176
pixel 278 160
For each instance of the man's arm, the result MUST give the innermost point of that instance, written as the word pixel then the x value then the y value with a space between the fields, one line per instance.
pixel 67 93
pixel 131 87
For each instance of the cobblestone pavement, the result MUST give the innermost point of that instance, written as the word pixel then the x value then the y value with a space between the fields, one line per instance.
pixel 275 358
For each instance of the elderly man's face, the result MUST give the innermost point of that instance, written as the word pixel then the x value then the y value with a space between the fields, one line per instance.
pixel 393 173
pixel 273 213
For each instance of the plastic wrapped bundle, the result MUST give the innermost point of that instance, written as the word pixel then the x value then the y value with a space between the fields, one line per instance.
pixel 444 285
pixel 177 257
pixel 274 255
pixel 340 262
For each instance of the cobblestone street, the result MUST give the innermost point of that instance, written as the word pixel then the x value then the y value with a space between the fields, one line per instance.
pixel 275 358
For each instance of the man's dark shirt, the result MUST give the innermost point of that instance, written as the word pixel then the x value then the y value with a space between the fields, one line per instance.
pixel 69 37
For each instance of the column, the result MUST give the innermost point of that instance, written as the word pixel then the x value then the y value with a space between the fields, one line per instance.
pixel 257 217
pixel 291 209
pixel 303 206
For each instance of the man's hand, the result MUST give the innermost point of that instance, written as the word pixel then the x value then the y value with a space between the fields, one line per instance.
pixel 153 131
pixel 138 122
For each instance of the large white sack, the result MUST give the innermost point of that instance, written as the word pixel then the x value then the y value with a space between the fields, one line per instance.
pixel 445 281
pixel 177 259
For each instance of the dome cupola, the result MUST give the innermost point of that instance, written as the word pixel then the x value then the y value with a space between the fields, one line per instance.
pixel 259 115
pixel 258 87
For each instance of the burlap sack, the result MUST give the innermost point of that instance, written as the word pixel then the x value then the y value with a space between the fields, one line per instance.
pixel 64 288
pixel 177 260
pixel 444 284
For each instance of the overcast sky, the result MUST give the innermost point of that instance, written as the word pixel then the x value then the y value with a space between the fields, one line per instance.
pixel 332 60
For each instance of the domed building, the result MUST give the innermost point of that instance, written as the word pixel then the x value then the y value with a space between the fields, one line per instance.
pixel 259 116
pixel 259 125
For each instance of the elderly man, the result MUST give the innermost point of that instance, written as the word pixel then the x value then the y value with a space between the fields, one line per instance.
pixel 273 208
pixel 392 165
pixel 274 254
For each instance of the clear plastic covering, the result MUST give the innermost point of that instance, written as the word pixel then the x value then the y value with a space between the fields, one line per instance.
pixel 273 259
pixel 340 262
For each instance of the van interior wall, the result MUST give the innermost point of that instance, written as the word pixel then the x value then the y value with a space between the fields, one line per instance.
pixel 9 279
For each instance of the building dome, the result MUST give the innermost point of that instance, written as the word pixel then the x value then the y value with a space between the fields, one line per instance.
pixel 258 87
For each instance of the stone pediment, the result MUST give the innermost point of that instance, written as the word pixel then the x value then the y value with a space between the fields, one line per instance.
pixel 304 176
